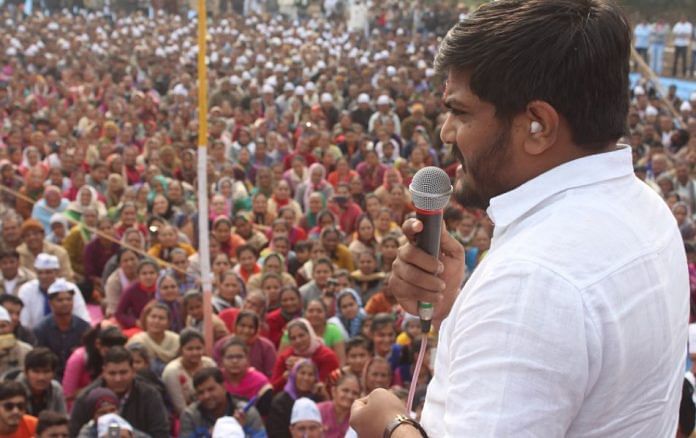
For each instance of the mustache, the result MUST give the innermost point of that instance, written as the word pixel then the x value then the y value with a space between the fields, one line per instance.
pixel 457 153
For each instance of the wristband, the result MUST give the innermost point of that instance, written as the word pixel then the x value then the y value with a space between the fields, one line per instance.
pixel 398 421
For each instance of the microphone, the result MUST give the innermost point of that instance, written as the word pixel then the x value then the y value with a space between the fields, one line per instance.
pixel 430 190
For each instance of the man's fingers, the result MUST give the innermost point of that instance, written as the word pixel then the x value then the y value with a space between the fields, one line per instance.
pixel 406 293
pixel 417 278
pixel 420 259
pixel 412 227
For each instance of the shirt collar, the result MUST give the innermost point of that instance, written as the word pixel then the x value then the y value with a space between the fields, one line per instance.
pixel 510 206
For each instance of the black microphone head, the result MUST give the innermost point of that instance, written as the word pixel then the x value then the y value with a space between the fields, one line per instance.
pixel 430 189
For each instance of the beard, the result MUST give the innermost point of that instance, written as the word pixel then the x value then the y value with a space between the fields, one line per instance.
pixel 482 175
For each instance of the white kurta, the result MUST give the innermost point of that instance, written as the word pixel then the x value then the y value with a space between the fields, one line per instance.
pixel 575 324
pixel 35 301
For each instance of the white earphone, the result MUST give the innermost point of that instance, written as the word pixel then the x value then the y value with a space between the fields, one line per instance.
pixel 535 127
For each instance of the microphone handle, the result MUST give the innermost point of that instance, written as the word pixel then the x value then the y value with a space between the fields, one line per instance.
pixel 429 241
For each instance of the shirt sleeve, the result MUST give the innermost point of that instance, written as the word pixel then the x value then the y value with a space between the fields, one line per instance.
pixel 517 355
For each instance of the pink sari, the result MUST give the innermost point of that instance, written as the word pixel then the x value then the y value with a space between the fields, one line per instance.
pixel 249 386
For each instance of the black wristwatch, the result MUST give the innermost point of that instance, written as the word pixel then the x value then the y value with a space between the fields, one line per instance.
pixel 398 421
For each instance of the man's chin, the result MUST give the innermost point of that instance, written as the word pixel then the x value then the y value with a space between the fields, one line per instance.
pixel 468 197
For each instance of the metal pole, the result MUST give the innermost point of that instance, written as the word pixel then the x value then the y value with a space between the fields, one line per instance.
pixel 203 251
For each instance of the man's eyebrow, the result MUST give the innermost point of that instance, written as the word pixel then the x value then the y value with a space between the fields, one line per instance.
pixel 451 103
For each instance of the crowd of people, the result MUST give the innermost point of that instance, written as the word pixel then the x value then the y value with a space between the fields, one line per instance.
pixel 317 126
pixel 651 39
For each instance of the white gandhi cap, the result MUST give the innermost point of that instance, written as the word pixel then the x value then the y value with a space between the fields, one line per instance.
pixel 305 409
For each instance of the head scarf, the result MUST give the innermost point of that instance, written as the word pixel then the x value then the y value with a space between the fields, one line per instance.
pixel 175 308
pixel 314 341
pixel 291 385
pixel 312 217
pixel 354 325
pixel 76 206
pixel 25 156
pixel 279 256
pixel 98 397
pixel 164 182
pixel 311 187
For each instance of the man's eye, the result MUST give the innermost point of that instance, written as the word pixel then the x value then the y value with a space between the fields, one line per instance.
pixel 456 113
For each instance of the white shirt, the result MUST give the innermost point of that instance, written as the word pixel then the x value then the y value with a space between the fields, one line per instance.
pixel 35 301
pixel 575 323
pixel 682 33
pixel 641 33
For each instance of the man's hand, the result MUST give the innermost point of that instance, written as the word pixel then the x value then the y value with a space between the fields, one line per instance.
pixel 371 414
pixel 417 276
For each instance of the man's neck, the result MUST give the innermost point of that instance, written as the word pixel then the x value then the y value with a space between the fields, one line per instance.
pixel 63 321
pixel 222 409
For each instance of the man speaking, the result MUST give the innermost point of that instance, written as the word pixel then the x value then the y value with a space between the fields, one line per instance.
pixel 575 324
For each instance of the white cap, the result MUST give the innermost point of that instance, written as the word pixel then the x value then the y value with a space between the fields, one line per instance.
pixel 267 89
pixel 429 72
pixel 685 106
pixel 693 97
pixel 235 80
pixel 299 90
pixel 651 111
pixel 309 86
pixel 4 315
pixel 305 409
pixel 46 261
pixel 227 427
pixel 246 76
pixel 60 285
pixel 107 420
pixel 391 71
pixel 289 86
pixel 326 98
pixel 363 98
pixel 639 90
pixel 383 100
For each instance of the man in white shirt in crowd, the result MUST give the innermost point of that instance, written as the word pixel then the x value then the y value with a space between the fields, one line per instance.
pixel 34 293
pixel 641 36
pixel 682 38
pixel 584 291
pixel 12 275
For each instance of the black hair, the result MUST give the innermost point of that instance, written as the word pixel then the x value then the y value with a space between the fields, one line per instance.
pixel 140 349
pixel 453 213
pixel 11 388
pixel 201 376
pixel 234 341
pixel 40 358
pixel 359 341
pixel 110 336
pixel 248 314
pixel 9 252
pixel 246 247
pixel 324 261
pixel 147 262
pixel 572 54
pixel 345 376
pixel 118 354
pixel 123 250
pixel 381 320
pixel 48 419
pixel 13 299
pixel 190 334
pixel 303 245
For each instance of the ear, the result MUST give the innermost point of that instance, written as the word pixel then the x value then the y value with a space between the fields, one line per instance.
pixel 542 122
